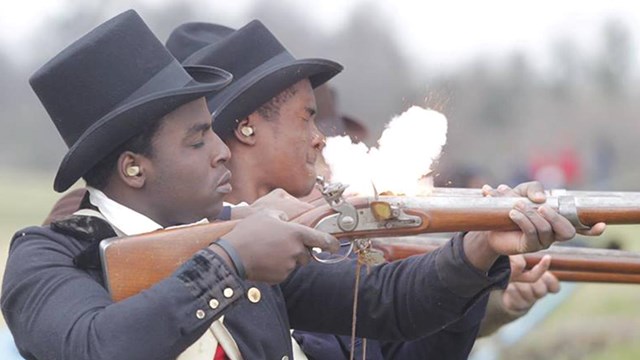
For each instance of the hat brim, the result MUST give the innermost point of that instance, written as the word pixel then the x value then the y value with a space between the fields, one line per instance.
pixel 244 95
pixel 129 120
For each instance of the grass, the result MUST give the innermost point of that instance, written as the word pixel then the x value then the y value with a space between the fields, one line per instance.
pixel 25 199
pixel 599 321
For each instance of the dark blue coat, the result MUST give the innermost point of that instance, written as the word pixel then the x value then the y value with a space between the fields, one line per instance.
pixel 55 303
pixel 453 342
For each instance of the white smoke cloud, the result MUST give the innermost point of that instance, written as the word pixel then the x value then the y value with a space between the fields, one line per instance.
pixel 409 145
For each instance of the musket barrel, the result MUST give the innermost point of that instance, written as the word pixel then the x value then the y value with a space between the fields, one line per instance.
pixel 471 192
pixel 611 210
pixel 600 277
pixel 455 213
pixel 591 260
pixel 567 263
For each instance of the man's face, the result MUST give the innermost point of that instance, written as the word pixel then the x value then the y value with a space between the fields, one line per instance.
pixel 291 143
pixel 186 176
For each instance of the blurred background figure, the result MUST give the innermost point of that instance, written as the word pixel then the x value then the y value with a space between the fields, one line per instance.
pixel 332 122
pixel 558 170
pixel 604 160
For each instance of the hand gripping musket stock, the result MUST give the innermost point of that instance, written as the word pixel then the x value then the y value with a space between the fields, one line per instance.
pixel 134 263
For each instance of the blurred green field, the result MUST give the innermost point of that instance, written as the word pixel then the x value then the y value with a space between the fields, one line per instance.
pixel 25 199
pixel 598 321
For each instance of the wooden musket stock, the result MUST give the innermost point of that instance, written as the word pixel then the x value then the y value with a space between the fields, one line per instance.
pixel 132 264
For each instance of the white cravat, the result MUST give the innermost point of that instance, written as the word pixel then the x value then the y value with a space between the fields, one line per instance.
pixel 127 221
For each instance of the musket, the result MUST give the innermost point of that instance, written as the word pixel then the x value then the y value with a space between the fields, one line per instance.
pixel 568 263
pixel 449 210
pixel 132 264
pixel 472 192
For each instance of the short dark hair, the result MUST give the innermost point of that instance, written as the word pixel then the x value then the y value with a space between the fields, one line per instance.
pixel 99 175
pixel 271 109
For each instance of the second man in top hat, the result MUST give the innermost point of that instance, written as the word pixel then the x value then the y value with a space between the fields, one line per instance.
pixel 266 116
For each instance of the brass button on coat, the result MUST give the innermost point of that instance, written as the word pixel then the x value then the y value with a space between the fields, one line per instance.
pixel 254 295
pixel 213 303
pixel 228 292
pixel 200 314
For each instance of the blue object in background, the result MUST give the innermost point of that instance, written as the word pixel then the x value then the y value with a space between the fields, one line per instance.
pixel 8 350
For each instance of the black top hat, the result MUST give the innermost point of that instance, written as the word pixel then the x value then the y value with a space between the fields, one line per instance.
pixel 261 66
pixel 110 85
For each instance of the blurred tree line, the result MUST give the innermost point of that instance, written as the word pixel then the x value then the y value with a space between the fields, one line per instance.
pixel 503 112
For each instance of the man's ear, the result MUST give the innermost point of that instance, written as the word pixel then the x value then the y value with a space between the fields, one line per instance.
pixel 131 169
pixel 245 131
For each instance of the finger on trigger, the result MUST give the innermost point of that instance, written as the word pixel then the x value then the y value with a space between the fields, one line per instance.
pixel 333 243
pixel 314 238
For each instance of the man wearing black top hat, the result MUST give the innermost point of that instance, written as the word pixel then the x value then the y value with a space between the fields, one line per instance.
pixel 266 117
pixel 139 132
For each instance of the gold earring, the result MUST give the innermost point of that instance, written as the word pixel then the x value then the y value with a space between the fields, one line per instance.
pixel 133 170
pixel 246 131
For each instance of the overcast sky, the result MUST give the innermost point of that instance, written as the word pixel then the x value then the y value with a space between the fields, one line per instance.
pixel 441 33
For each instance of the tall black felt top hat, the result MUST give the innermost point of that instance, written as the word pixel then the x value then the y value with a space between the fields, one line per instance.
pixel 110 85
pixel 261 66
